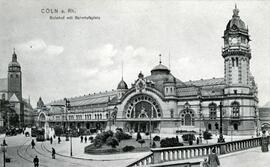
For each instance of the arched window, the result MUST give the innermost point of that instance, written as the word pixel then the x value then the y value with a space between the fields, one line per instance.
pixel 209 127
pixel 235 109
pixel 235 126
pixel 187 117
pixel 212 110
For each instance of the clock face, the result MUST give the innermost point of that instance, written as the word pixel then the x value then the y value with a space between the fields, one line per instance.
pixel 234 40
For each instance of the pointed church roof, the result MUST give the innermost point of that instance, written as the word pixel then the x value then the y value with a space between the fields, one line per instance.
pixel 14 98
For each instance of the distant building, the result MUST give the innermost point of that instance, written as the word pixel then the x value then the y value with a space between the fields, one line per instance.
pixel 11 91
pixel 170 104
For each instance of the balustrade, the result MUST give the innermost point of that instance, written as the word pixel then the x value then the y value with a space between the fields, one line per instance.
pixel 160 155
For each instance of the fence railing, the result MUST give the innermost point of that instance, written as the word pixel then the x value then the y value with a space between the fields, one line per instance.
pixel 160 155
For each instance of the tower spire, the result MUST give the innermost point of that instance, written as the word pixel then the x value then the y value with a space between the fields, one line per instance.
pixel 14 56
pixel 169 60
pixel 159 58
pixel 122 69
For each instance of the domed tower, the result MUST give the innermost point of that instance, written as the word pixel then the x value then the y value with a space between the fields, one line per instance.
pixel 236 53
pixel 14 78
pixel 121 88
pixel 162 73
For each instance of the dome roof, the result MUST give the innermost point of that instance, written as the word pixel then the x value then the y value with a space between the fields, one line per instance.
pixel 160 69
pixel 14 62
pixel 122 85
pixel 236 20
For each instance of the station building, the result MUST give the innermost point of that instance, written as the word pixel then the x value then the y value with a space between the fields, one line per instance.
pixel 162 103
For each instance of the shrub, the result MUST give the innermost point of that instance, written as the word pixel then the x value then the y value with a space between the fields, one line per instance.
pixel 207 136
pixel 122 136
pixel 170 142
pixel 156 138
pixel 97 142
pixel 82 131
pixel 119 129
pixel 128 148
pixel 141 141
pixel 58 131
pixel 138 136
pixel 188 137
pixel 112 141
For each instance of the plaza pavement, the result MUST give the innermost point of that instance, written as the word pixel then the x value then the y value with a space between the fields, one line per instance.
pixel 248 158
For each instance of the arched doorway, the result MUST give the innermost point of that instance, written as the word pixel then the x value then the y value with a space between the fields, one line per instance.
pixel 142 112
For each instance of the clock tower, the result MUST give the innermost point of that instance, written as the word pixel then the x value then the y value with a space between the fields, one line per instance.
pixel 14 78
pixel 237 55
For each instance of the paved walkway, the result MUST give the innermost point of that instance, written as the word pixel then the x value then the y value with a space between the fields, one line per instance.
pixel 78 151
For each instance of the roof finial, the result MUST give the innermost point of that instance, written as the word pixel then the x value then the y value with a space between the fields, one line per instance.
pixel 159 58
pixel 14 50
pixel 235 11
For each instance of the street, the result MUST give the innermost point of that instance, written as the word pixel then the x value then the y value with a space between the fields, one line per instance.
pixel 22 155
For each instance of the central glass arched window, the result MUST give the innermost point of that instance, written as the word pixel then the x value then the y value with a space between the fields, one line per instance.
pixel 142 106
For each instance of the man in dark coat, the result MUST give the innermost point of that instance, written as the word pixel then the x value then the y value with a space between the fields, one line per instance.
pixel 81 139
pixel 36 161
pixel 264 142
pixel 33 143
pixel 51 140
pixel 213 160
pixel 85 139
pixel 53 153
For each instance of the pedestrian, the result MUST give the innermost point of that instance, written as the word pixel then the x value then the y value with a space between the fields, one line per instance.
pixel 81 139
pixel 51 140
pixel 53 153
pixel 33 143
pixel 59 140
pixel 85 139
pixel 213 160
pixel 198 140
pixel 204 163
pixel 264 142
pixel 4 142
pixel 36 161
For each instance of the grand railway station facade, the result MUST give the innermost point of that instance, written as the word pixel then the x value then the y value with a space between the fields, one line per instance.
pixel 171 104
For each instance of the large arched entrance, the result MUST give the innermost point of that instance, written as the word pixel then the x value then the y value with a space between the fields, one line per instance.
pixel 142 113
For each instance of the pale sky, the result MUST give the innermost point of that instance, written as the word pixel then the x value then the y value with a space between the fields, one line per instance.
pixel 66 58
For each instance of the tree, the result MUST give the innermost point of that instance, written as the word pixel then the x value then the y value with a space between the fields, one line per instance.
pixel 112 141
pixel 207 136
pixel 141 141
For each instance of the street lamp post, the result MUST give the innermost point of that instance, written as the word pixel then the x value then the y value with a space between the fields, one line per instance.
pixel 150 128
pixel 70 144
pixel 220 139
pixel 4 150
pixel 200 114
